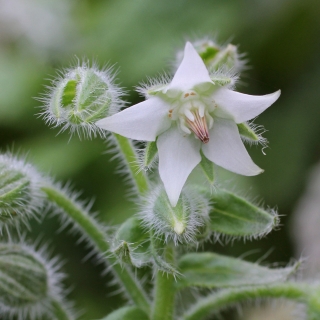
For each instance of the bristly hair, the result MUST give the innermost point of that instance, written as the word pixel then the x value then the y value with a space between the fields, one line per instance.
pixel 197 206
pixel 18 212
pixel 87 129
pixel 42 309
pixel 153 84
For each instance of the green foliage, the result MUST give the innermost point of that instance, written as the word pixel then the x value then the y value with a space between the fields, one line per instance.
pixel 236 217
pixel 211 270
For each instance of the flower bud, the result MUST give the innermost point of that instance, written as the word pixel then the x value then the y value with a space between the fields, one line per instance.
pixel 80 97
pixel 131 243
pixel 217 57
pixel 28 281
pixel 20 195
pixel 181 223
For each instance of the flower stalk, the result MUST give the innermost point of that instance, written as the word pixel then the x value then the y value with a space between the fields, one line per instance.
pixel 163 306
pixel 131 160
pixel 90 227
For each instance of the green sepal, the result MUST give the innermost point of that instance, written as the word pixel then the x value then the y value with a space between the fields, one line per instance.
pixel 208 54
pixel 69 93
pixel 246 132
pixel 150 154
pixel 23 278
pixel 221 80
pixel 234 216
pixel 127 313
pixel 210 270
pixel 131 243
pixel 176 218
pixel 226 58
pixel 207 167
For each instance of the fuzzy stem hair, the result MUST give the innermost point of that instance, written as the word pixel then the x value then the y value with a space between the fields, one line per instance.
pixel 164 291
pixel 91 228
pixel 131 160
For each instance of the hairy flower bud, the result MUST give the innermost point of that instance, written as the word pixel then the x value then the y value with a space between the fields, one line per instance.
pixel 217 57
pixel 20 195
pixel 28 282
pixel 80 97
pixel 131 243
pixel 181 223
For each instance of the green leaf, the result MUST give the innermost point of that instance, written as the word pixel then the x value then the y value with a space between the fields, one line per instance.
pixel 234 216
pixel 127 313
pixel 210 270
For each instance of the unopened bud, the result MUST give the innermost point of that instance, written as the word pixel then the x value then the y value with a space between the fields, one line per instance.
pixel 131 243
pixel 28 282
pixel 20 195
pixel 80 97
pixel 217 57
pixel 180 223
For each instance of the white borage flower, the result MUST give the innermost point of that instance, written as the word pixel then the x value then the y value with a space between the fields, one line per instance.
pixel 190 114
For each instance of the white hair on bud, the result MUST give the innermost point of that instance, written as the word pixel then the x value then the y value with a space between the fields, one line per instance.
pixel 86 128
pixel 197 206
pixel 31 199
pixel 55 289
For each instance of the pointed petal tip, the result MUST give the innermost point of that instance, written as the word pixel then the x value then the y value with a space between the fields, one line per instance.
pixel 173 201
pixel 256 172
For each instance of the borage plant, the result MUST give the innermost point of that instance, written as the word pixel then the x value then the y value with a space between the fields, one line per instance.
pixel 192 121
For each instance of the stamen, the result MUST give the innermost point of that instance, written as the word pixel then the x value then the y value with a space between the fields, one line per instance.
pixel 199 126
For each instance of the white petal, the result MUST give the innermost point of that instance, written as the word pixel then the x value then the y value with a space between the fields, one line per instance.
pixel 242 107
pixel 178 155
pixel 192 71
pixel 226 149
pixel 143 121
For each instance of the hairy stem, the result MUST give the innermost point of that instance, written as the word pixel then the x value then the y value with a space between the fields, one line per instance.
pixel 59 311
pixel 130 157
pixel 164 291
pixel 92 229
pixel 226 298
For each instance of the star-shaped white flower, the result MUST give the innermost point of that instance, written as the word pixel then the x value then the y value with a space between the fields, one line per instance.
pixel 189 114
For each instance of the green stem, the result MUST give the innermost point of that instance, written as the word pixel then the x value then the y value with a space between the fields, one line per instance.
pixel 59 311
pixel 164 291
pixel 94 232
pixel 130 157
pixel 226 298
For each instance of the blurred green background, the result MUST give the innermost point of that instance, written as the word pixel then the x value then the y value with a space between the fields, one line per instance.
pixel 282 42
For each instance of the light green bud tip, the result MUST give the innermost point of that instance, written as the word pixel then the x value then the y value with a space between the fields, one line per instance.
pixel 27 282
pixel 80 97
pixel 216 57
pixel 181 223
pixel 20 195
